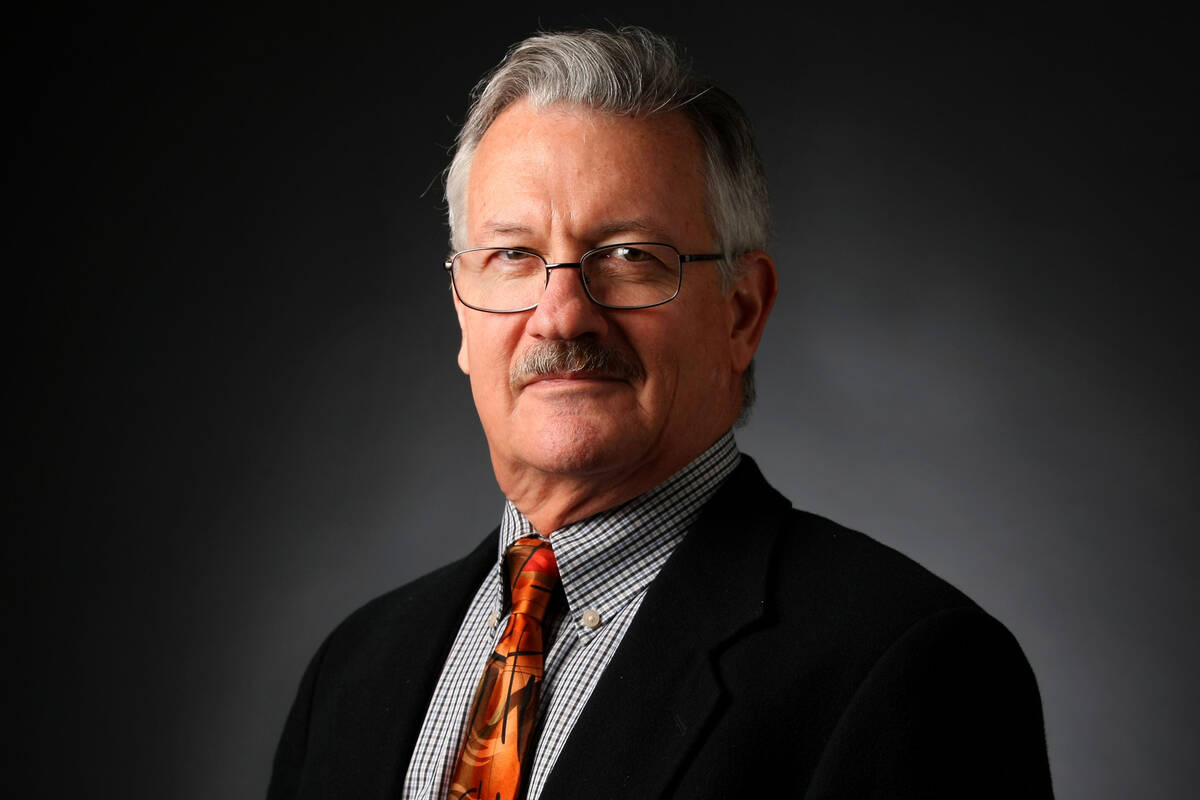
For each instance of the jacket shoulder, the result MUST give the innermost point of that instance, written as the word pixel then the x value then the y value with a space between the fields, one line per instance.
pixel 855 570
pixel 443 593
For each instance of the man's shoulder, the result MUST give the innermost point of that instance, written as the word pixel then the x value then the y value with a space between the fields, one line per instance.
pixel 829 574
pixel 430 605
pixel 365 691
pixel 855 568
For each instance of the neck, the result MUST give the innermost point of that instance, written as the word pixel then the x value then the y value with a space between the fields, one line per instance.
pixel 553 500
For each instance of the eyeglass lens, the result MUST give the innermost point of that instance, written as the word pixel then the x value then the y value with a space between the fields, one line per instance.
pixel 620 276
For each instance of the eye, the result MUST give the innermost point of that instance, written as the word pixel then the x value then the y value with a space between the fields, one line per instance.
pixel 627 265
pixel 508 264
pixel 630 254
pixel 509 259
pixel 512 255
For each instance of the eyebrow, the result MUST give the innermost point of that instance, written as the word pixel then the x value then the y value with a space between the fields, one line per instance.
pixel 640 225
pixel 506 228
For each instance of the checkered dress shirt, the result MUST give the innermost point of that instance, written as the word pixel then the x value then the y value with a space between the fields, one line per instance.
pixel 607 562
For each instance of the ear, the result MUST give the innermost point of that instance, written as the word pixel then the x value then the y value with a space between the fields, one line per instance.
pixel 750 301
pixel 464 362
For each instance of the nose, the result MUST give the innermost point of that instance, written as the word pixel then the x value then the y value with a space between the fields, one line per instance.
pixel 565 310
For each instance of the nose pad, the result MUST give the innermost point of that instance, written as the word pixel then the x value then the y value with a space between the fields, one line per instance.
pixel 566 311
pixel 583 281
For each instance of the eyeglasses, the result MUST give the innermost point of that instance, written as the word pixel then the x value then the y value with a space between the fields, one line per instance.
pixel 506 280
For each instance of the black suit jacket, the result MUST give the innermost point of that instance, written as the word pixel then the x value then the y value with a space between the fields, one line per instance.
pixel 777 654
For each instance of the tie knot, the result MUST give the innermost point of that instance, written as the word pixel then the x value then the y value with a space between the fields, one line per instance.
pixel 532 575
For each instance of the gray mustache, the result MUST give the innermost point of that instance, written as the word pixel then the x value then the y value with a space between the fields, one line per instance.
pixel 556 356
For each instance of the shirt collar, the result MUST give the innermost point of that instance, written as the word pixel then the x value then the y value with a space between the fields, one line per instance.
pixel 608 559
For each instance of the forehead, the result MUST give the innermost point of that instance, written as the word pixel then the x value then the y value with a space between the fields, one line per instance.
pixel 572 168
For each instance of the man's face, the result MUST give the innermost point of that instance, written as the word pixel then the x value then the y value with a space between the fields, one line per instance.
pixel 560 182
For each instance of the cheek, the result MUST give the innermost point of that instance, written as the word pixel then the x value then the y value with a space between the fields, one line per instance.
pixel 702 357
pixel 673 356
pixel 492 343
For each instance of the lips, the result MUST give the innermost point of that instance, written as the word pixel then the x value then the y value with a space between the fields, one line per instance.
pixel 580 375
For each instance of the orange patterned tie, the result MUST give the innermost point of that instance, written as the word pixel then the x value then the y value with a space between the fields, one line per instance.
pixel 505 706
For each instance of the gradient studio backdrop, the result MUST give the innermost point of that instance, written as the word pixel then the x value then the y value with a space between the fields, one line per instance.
pixel 246 419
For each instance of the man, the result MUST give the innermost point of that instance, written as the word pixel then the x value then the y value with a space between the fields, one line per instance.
pixel 651 618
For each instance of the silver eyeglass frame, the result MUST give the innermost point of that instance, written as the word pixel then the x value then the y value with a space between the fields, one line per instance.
pixel 684 258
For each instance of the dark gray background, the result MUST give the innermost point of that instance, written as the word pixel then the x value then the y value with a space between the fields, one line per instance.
pixel 240 416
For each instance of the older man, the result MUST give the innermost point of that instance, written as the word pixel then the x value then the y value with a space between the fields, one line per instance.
pixel 651 618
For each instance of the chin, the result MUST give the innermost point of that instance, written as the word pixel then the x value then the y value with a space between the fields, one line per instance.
pixel 578 446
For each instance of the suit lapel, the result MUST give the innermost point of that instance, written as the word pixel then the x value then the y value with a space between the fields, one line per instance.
pixel 660 690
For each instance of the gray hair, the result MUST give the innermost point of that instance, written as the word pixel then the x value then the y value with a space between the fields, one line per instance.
pixel 629 72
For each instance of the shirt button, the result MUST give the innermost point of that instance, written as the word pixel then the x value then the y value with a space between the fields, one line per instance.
pixel 590 618
pixel 493 619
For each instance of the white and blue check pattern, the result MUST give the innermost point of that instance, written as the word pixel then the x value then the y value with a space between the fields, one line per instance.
pixel 606 562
